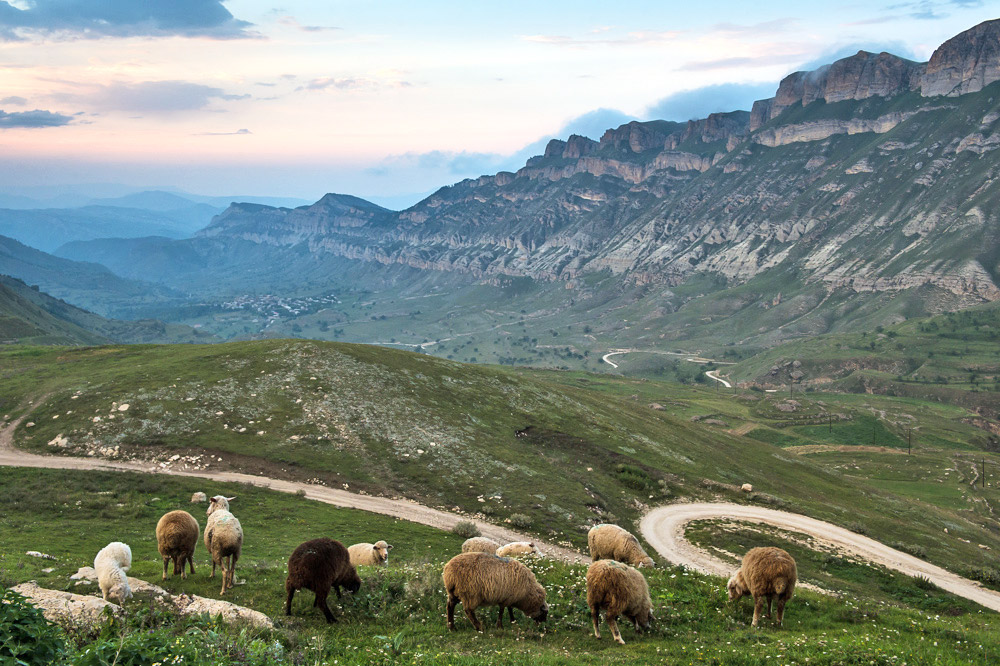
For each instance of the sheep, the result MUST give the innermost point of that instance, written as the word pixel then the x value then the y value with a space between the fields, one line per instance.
pixel 610 542
pixel 318 565
pixel 223 539
pixel 176 537
pixel 617 589
pixel 111 564
pixel 481 579
pixel 766 573
pixel 480 545
pixel 198 498
pixel 518 548
pixel 370 553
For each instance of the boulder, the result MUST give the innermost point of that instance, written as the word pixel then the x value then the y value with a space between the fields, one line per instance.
pixel 68 610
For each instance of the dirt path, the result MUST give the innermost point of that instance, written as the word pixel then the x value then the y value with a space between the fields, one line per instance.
pixel 397 508
pixel 714 374
pixel 663 528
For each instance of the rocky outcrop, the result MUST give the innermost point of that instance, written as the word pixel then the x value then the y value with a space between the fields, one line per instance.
pixel 68 610
pixel 966 63
pixel 822 129
pixel 635 137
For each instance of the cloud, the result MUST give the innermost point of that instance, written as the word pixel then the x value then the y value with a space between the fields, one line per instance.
pixel 698 103
pixel 628 39
pixel 755 29
pixel 292 22
pixel 90 19
pixel 846 50
pixel 741 61
pixel 239 132
pixel 36 118
pixel 931 10
pixel 149 96
pixel 351 83
pixel 13 101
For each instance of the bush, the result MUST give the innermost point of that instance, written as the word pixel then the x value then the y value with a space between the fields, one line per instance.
pixel 26 637
pixel 990 577
pixel 466 529
pixel 520 520
pixel 858 528
pixel 912 549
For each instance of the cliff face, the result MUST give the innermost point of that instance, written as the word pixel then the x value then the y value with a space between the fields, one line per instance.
pixel 965 63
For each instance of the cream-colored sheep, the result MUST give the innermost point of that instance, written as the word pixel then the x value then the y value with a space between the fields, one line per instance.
pixel 480 545
pixel 223 539
pixel 111 564
pixel 610 542
pixel 617 589
pixel 176 537
pixel 481 579
pixel 518 548
pixel 369 553
pixel 766 574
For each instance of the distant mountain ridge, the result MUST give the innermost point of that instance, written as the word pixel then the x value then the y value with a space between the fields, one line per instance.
pixel 873 175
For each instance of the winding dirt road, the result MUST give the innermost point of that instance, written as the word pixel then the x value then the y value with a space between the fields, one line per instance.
pixel 663 528
pixel 397 508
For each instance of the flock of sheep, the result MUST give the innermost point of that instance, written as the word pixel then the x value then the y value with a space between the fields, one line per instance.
pixel 484 574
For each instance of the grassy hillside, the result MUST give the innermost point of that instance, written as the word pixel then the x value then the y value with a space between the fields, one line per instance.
pixel 551 452
pixel 397 615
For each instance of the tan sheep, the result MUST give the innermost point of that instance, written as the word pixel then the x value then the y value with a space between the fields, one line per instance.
pixel 766 573
pixel 617 589
pixel 610 542
pixel 176 537
pixel 481 579
pixel 518 548
pixel 370 553
pixel 480 545
pixel 223 539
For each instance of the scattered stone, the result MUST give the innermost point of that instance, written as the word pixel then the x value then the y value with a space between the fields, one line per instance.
pixel 72 611
pixel 194 605
pixel 29 424
pixel 747 488
pixel 199 497
pixel 657 406
pixel 123 407
pixel 35 553
pixel 59 441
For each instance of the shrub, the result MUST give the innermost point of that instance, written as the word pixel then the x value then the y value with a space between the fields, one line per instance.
pixel 466 529
pixel 520 520
pixel 857 527
pixel 990 577
pixel 26 637
pixel 912 549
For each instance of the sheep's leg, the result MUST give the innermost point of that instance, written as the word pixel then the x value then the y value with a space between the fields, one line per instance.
pixel 758 606
pixel 595 615
pixel 232 569
pixel 225 576
pixel 613 623
pixel 213 567
pixel 471 614
pixel 452 602
pixel 500 618
pixel 336 588
pixel 190 561
pixel 288 600
pixel 321 602
pixel 769 600
pixel 781 610
pixel 165 560
pixel 176 560
pixel 510 611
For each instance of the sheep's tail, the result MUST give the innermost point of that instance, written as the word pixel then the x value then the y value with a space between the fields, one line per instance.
pixel 780 584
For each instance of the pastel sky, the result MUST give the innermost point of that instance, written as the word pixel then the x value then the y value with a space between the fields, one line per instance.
pixel 389 99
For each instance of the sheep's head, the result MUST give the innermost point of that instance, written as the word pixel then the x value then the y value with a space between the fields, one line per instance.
pixel 217 503
pixel 646 561
pixel 353 581
pixel 641 619
pixel 736 586
pixel 120 591
pixel 542 614
pixel 381 549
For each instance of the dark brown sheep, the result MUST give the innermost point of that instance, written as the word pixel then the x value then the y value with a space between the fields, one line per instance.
pixel 766 574
pixel 318 565
pixel 176 537
pixel 481 579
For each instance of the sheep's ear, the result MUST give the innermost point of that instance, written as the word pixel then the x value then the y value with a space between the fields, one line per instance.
pixel 389 547
pixel 531 543
pixel 375 548
pixel 213 500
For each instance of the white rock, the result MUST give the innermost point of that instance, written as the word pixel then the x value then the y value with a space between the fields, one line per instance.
pixel 123 407
pixel 35 553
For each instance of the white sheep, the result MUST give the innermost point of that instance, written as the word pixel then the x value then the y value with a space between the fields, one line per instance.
pixel 111 564
pixel 223 539
pixel 518 548
pixel 369 553
pixel 480 545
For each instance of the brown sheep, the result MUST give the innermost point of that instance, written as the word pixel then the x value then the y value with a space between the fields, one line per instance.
pixel 481 579
pixel 766 573
pixel 480 545
pixel 618 589
pixel 176 537
pixel 318 565
pixel 610 542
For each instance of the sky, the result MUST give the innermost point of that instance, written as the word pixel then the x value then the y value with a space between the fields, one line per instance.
pixel 391 100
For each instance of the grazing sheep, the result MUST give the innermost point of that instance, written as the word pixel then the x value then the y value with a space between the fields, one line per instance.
pixel 617 589
pixel 747 488
pixel 480 545
pixel 610 542
pixel 370 553
pixel 198 498
pixel 111 564
pixel 223 539
pixel 518 548
pixel 766 573
pixel 481 579
pixel 176 537
pixel 318 565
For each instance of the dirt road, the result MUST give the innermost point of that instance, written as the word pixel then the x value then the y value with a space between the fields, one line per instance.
pixel 663 528
pixel 404 509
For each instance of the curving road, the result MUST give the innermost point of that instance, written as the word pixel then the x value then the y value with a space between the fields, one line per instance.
pixel 397 508
pixel 663 528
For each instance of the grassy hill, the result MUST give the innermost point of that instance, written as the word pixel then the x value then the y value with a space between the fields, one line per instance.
pixel 551 452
